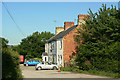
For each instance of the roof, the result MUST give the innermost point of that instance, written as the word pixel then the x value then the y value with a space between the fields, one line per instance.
pixel 44 54
pixel 62 34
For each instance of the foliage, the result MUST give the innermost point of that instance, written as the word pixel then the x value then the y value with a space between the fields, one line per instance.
pixel 40 59
pixel 73 63
pixel 10 63
pixel 91 71
pixel 101 36
pixel 33 45
pixel 3 42
pixel 66 68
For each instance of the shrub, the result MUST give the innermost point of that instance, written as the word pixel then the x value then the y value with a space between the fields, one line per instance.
pixel 40 59
pixel 66 68
pixel 10 65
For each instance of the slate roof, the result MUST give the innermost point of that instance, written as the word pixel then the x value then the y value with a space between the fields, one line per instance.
pixel 62 34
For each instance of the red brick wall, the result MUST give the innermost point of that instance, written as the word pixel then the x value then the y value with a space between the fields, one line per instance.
pixel 69 46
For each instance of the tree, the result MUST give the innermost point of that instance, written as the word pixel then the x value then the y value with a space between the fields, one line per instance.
pixel 3 43
pixel 10 63
pixel 34 45
pixel 101 36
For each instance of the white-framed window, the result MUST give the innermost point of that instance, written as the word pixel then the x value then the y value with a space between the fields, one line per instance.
pixel 53 45
pixel 60 44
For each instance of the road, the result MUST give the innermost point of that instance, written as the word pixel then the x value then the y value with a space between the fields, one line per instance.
pixel 30 72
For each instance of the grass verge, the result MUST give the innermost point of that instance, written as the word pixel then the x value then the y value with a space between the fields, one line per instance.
pixel 92 72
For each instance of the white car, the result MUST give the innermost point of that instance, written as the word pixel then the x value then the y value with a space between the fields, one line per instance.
pixel 46 66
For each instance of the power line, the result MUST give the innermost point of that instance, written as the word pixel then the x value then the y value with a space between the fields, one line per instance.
pixel 13 19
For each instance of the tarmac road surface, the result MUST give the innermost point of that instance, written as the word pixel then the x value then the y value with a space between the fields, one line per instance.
pixel 30 72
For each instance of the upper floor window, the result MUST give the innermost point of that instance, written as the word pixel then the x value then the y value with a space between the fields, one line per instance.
pixel 52 45
pixel 60 44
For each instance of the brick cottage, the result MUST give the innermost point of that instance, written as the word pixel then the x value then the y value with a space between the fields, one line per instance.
pixel 61 47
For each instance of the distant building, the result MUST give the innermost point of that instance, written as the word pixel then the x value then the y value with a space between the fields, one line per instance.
pixel 119 4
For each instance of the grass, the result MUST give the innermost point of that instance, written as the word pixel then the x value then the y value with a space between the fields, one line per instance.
pixel 92 72
pixel 104 73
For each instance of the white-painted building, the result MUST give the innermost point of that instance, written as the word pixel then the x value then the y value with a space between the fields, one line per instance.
pixel 44 57
pixel 55 51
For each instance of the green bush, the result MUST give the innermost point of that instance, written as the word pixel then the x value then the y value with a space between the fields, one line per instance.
pixel 10 65
pixel 40 59
pixel 104 59
pixel 66 68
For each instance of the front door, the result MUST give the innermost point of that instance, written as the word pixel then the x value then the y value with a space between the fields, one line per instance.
pixel 45 59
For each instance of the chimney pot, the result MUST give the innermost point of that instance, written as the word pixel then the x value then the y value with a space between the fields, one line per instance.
pixel 68 24
pixel 59 29
pixel 81 17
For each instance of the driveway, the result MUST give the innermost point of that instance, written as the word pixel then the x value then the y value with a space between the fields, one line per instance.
pixel 30 72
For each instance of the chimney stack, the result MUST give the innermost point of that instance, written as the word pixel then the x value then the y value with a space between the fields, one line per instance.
pixel 68 24
pixel 59 29
pixel 80 19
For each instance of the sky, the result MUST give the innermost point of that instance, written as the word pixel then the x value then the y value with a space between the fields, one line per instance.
pixel 42 16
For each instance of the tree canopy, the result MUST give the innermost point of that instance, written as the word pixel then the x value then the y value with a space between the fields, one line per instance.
pixel 33 45
pixel 101 40
pixel 3 42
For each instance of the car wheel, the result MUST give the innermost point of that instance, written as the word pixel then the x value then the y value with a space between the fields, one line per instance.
pixel 39 68
pixel 26 64
pixel 54 68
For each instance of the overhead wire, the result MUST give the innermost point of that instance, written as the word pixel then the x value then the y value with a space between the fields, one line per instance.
pixel 13 19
